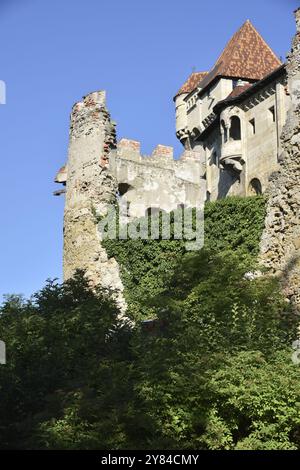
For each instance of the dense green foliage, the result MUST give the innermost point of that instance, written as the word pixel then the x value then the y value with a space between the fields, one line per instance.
pixel 235 223
pixel 147 265
pixel 213 372
pixel 56 345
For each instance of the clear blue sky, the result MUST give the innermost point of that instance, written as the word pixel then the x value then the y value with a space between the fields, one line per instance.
pixel 55 51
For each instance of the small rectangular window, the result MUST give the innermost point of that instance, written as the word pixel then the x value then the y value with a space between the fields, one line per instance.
pixel 252 126
pixel 272 111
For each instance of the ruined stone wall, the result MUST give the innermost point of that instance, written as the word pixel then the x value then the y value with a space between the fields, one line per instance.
pixel 280 244
pixel 90 188
pixel 99 174
pixel 157 181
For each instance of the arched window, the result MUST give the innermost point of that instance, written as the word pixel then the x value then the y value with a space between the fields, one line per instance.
pixel 235 128
pixel 123 188
pixel 224 128
pixel 255 187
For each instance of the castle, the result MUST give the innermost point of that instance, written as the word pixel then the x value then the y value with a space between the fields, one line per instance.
pixel 233 116
pixel 229 121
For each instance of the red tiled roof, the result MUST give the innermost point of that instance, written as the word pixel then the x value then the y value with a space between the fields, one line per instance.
pixel 246 55
pixel 238 90
pixel 191 83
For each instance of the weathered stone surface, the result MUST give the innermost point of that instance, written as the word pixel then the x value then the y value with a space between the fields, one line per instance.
pixel 90 189
pixel 157 181
pixel 281 238
pixel 98 175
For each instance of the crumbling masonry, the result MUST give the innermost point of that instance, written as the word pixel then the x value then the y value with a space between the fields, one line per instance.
pixel 280 245
pixel 229 121
pixel 99 173
pixel 90 189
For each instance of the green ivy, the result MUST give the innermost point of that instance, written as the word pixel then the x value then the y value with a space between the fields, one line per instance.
pixel 147 265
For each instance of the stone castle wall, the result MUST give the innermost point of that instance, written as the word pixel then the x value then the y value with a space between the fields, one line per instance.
pixel 157 181
pixel 99 173
pixel 280 245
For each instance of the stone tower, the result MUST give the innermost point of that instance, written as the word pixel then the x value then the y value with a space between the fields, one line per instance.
pixel 90 189
pixel 280 245
pixel 99 174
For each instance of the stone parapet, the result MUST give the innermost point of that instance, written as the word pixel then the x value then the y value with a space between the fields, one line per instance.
pixel 129 149
pixel 163 151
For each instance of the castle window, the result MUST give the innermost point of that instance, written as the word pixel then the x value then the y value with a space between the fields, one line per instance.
pixel 255 187
pixel 272 111
pixel 252 126
pixel 123 188
pixel 191 102
pixel 235 128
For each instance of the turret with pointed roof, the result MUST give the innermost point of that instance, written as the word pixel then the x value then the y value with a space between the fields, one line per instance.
pixel 246 56
pixel 233 115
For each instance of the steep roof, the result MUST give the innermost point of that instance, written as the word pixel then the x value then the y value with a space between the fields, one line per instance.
pixel 191 83
pixel 246 55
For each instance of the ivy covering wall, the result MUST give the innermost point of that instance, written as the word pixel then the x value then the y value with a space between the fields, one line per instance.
pixel 147 265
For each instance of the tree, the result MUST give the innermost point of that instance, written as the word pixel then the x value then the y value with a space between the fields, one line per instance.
pixel 57 345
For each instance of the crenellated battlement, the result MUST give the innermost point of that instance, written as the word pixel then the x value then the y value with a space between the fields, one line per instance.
pixel 131 150
pixel 163 151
